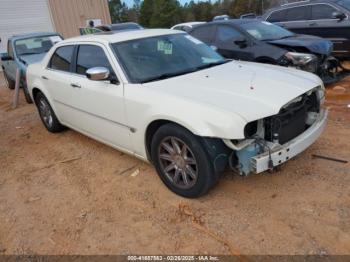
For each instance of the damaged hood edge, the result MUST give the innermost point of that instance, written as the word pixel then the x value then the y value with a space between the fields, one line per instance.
pixel 312 43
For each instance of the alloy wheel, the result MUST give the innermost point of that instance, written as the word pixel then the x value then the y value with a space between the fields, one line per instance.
pixel 45 112
pixel 178 162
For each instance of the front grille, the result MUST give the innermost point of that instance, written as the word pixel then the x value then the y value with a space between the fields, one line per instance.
pixel 291 120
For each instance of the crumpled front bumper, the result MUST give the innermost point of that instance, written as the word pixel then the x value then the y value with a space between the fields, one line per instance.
pixel 294 147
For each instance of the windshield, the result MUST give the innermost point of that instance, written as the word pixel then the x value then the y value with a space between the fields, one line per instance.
pixel 344 3
pixel 36 45
pixel 266 31
pixel 160 57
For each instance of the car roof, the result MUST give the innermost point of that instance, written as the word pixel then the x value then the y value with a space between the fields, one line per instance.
pixel 232 22
pixel 299 3
pixel 121 36
pixel 30 35
pixel 190 23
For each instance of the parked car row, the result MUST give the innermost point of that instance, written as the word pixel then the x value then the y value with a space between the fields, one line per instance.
pixel 263 42
pixel 324 18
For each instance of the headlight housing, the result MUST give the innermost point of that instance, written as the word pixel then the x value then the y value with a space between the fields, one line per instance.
pixel 307 62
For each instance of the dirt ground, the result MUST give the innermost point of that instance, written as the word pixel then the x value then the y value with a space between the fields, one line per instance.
pixel 68 194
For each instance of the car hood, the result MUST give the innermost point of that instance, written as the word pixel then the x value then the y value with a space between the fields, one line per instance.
pixel 314 44
pixel 251 90
pixel 31 59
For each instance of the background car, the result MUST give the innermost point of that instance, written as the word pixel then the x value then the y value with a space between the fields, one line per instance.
pixel 260 41
pixel 169 99
pixel 221 17
pixel 119 27
pixel 324 18
pixel 186 26
pixel 23 50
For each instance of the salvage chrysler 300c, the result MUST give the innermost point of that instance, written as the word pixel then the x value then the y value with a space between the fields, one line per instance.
pixel 169 99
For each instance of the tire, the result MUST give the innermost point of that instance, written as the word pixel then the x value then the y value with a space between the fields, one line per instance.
pixel 26 93
pixel 179 157
pixel 10 83
pixel 47 115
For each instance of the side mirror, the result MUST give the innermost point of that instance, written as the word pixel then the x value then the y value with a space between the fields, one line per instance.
pixel 97 73
pixel 6 58
pixel 241 41
pixel 338 15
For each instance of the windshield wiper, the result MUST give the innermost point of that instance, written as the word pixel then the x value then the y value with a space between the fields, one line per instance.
pixel 274 39
pixel 29 53
pixel 167 75
pixel 184 72
pixel 212 64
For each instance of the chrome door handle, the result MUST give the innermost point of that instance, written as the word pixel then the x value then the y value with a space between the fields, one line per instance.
pixel 75 85
pixel 44 77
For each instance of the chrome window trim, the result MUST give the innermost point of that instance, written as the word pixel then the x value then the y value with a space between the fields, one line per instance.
pixel 74 73
pixel 313 20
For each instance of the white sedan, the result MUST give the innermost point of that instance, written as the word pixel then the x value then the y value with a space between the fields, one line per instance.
pixel 167 98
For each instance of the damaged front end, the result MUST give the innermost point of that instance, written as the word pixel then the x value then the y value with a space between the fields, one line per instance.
pixel 276 139
pixel 326 67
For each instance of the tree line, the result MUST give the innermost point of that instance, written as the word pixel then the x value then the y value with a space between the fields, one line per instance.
pixel 166 13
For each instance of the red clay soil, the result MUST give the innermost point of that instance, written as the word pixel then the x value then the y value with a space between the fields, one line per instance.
pixel 68 194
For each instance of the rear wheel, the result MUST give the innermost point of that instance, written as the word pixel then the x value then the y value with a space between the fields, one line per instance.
pixel 10 83
pixel 182 162
pixel 47 115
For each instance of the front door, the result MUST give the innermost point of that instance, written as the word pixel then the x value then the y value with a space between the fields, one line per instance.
pixel 226 43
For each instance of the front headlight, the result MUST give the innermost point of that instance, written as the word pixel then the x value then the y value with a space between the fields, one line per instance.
pixel 300 59
pixel 304 61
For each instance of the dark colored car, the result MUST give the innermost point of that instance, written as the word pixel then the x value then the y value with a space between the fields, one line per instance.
pixel 260 41
pixel 120 27
pixel 324 18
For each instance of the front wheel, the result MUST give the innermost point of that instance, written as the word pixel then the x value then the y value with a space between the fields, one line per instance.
pixel 182 162
pixel 47 115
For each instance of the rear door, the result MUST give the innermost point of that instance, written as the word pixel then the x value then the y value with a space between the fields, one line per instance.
pixel 295 19
pixel 226 36
pixel 324 25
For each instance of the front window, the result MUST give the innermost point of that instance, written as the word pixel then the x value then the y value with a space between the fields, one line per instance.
pixel 90 56
pixel 35 45
pixel 160 57
pixel 322 12
pixel 264 31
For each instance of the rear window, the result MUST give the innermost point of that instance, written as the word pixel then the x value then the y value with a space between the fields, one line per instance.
pixel 62 58
pixel 298 13
pixel 291 14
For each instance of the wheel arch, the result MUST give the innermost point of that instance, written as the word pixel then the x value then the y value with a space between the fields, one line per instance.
pixel 152 129
pixel 35 91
